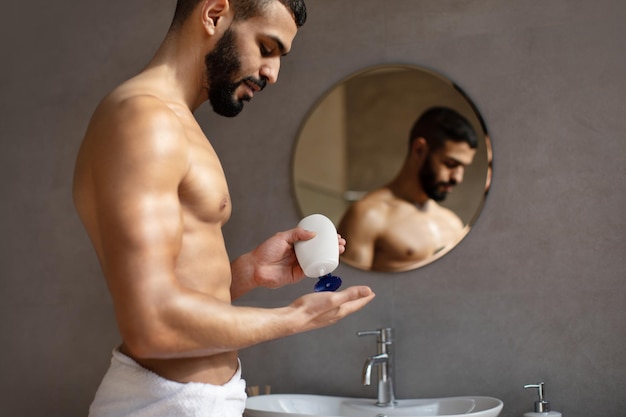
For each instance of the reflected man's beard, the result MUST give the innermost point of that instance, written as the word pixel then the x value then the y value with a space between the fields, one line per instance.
pixel 222 65
pixel 429 182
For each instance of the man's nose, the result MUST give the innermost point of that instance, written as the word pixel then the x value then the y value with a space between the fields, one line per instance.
pixel 456 176
pixel 270 69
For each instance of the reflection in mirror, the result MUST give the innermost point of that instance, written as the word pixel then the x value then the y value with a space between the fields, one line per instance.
pixel 399 159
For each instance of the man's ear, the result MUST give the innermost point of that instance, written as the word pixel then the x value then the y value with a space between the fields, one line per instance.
pixel 212 12
pixel 419 149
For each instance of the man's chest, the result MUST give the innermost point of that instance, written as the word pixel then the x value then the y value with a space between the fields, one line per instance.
pixel 203 191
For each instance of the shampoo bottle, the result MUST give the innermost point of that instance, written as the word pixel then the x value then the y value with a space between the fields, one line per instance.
pixel 320 255
pixel 542 407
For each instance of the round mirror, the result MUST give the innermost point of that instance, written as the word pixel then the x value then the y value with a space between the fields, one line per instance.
pixel 399 159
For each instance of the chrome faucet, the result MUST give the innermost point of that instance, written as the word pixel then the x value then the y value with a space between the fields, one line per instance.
pixel 384 360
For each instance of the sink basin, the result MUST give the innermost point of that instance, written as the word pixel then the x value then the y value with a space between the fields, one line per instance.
pixel 303 405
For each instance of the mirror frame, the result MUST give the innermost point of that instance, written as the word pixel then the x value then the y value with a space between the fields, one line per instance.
pixel 322 175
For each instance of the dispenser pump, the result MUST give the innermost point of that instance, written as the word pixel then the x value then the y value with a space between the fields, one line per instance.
pixel 542 406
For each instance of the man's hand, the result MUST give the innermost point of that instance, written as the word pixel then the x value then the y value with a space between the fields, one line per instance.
pixel 272 264
pixel 325 308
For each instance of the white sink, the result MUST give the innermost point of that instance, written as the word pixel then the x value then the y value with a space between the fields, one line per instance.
pixel 303 405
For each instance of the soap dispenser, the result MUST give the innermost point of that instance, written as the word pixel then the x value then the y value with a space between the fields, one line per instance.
pixel 542 407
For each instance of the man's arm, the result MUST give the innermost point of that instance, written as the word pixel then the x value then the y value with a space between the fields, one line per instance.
pixel 360 226
pixel 136 176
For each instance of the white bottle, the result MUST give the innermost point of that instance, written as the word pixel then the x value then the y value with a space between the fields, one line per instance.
pixel 542 407
pixel 320 255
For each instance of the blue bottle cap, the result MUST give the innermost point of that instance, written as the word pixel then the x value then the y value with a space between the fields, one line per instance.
pixel 328 282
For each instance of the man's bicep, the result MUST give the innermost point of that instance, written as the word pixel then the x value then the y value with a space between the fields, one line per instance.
pixel 139 231
pixel 136 179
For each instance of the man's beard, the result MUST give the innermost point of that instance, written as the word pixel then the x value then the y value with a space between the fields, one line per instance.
pixel 222 66
pixel 429 182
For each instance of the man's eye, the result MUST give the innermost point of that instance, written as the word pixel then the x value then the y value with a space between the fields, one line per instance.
pixel 265 51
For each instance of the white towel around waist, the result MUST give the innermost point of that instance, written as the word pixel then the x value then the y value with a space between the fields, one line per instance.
pixel 129 390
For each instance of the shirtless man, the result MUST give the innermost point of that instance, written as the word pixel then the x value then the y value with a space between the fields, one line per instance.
pixel 400 225
pixel 151 193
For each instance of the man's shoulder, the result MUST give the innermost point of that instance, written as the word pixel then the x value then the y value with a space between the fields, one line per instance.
pixel 125 103
pixel 126 113
pixel 373 209
pixel 385 200
pixel 134 124
pixel 377 197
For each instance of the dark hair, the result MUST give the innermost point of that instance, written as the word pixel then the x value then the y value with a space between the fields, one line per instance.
pixel 244 9
pixel 439 124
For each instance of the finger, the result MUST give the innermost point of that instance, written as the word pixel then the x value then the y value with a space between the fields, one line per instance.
pixel 354 293
pixel 355 299
pixel 328 300
pixel 300 233
pixel 342 244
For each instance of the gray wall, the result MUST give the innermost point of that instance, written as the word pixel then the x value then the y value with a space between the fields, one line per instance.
pixel 535 292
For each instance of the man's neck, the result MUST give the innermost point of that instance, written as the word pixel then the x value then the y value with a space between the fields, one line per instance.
pixel 179 68
pixel 406 187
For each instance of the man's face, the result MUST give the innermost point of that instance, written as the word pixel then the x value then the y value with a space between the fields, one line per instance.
pixel 223 65
pixel 247 57
pixel 444 168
